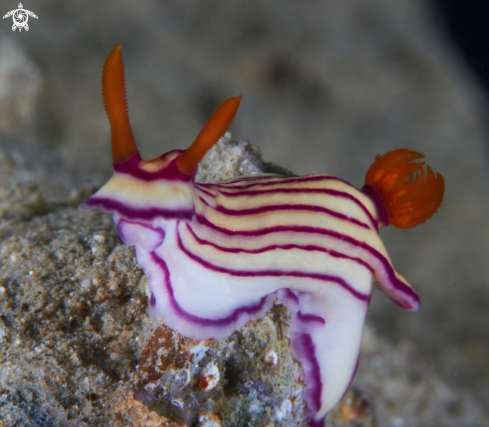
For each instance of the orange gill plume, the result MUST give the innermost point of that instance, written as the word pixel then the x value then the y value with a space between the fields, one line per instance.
pixel 114 94
pixel 213 130
pixel 410 194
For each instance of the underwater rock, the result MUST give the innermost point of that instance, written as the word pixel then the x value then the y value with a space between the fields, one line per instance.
pixel 183 378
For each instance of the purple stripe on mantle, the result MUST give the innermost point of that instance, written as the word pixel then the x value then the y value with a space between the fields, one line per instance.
pixel 317 423
pixel 285 207
pixel 397 284
pixel 308 248
pixel 310 318
pixel 330 192
pixel 304 351
pixel 282 180
pixel 202 321
pixel 289 299
pixel 272 273
pixel 249 178
pixel 207 193
pixel 130 212
pixel 373 193
pixel 169 172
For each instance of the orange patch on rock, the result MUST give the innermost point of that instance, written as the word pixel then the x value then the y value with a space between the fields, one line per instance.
pixel 137 414
pixel 165 349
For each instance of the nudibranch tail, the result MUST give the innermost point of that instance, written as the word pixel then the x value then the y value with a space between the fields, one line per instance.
pixel 410 194
pixel 114 94
pixel 213 130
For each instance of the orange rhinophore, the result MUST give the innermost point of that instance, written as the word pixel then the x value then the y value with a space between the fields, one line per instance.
pixel 214 129
pixel 410 194
pixel 114 94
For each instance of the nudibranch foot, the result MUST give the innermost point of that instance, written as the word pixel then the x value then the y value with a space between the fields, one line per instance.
pixel 218 255
pixel 327 319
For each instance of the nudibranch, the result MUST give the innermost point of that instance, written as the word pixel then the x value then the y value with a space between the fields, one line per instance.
pixel 219 255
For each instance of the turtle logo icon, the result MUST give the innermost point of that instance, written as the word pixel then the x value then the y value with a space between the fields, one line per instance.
pixel 20 17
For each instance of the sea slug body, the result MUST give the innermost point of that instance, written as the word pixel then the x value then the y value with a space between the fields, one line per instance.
pixel 218 255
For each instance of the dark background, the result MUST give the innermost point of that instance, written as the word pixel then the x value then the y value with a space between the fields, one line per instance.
pixel 466 23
